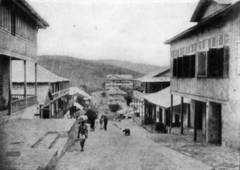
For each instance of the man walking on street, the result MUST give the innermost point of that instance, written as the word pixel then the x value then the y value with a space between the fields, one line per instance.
pixel 105 121
pixel 82 133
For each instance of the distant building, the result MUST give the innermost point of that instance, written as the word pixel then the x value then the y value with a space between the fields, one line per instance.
pixel 123 81
pixel 19 25
pixel 205 67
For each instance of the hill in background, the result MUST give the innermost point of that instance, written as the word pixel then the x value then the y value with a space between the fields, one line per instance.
pixel 87 74
pixel 140 68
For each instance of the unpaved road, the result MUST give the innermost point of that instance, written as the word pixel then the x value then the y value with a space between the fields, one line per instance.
pixel 110 150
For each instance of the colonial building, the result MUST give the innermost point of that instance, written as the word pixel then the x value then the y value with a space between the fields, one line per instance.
pixel 205 67
pixel 19 24
pixel 52 89
pixel 150 83
pixel 123 81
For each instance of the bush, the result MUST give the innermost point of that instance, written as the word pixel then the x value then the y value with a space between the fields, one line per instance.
pixel 114 107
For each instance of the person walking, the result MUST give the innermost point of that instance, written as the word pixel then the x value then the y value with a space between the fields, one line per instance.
pixel 82 133
pixel 101 122
pixel 105 122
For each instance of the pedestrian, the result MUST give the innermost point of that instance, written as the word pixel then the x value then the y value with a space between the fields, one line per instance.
pixel 82 133
pixel 101 122
pixel 105 121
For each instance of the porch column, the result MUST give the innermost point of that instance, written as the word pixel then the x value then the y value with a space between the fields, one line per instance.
pixel 171 113
pixel 163 115
pixel 182 115
pixel 195 124
pixel 10 87
pixel 25 81
pixel 208 110
pixel 36 65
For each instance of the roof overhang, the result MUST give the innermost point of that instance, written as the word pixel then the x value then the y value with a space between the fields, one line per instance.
pixel 204 22
pixel 26 7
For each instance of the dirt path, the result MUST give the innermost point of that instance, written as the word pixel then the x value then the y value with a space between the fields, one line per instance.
pixel 112 151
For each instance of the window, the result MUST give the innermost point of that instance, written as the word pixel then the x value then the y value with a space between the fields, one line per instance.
pixel 202 64
pixel 179 67
pixel 218 62
pixel 185 65
pixel 191 67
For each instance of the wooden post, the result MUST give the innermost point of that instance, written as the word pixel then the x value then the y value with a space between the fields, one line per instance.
pixel 171 113
pixel 10 87
pixel 195 126
pixel 36 79
pixel 25 80
pixel 182 115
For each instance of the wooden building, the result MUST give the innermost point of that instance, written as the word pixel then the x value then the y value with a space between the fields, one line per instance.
pixel 205 67
pixel 52 89
pixel 150 83
pixel 19 25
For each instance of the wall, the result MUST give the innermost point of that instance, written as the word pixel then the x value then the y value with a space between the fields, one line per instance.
pixel 4 67
pixel 21 41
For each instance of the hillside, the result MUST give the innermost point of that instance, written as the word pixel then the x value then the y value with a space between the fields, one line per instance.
pixel 140 68
pixel 87 74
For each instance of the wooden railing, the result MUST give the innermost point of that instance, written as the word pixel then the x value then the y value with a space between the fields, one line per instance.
pixel 20 103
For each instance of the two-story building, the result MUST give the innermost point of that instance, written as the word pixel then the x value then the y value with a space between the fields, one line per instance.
pixel 19 25
pixel 121 81
pixel 51 87
pixel 205 67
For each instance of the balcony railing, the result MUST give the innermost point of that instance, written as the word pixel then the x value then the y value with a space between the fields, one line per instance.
pixel 20 103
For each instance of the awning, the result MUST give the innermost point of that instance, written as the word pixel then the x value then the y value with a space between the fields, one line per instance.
pixel 78 106
pixel 163 98
pixel 77 91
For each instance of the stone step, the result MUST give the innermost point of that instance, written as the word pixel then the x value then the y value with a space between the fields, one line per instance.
pixel 46 141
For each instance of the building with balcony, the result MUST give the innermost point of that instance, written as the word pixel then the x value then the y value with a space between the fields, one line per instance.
pixel 123 81
pixel 205 68
pixel 52 89
pixel 19 25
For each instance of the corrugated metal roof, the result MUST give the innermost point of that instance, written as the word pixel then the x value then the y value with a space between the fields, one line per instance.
pixel 43 75
pixel 78 91
pixel 163 98
pixel 155 76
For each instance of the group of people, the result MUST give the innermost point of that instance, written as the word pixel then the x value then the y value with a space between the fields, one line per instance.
pixel 83 129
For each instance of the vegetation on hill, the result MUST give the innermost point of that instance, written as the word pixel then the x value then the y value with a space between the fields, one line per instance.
pixel 140 68
pixel 87 74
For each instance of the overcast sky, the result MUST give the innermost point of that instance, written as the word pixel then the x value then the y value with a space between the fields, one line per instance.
pixel 133 30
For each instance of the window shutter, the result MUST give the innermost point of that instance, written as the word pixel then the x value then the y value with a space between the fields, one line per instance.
pixel 226 62
pixel 202 64
pixel 179 68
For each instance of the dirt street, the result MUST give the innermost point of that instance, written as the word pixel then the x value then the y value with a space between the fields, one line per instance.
pixel 111 150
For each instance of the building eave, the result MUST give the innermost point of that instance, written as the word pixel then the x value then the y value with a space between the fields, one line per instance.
pixel 204 22
pixel 26 7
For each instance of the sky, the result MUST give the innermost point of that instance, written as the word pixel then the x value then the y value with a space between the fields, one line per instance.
pixel 132 30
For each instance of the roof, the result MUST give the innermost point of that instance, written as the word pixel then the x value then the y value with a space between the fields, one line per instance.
pixel 202 6
pixel 78 91
pixel 156 76
pixel 43 75
pixel 26 7
pixel 205 21
pixel 162 98
pixel 120 76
